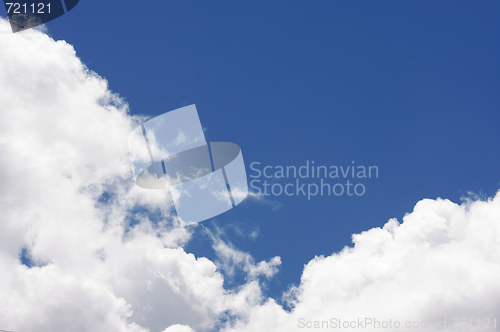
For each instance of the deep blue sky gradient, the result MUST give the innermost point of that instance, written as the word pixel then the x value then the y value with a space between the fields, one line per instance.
pixel 410 86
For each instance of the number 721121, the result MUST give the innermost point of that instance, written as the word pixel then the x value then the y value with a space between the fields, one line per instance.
pixel 17 8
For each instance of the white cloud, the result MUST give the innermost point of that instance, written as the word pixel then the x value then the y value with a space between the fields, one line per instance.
pixel 63 139
pixel 231 259
pixel 443 261
pixel 63 142
pixel 178 328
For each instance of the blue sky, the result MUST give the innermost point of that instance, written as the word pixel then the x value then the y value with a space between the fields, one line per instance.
pixel 412 87
pixel 409 86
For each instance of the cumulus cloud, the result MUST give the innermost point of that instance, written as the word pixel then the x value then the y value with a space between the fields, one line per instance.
pixel 443 261
pixel 102 254
pixel 178 328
